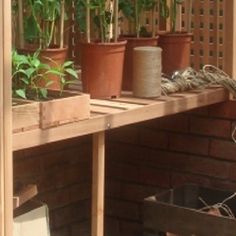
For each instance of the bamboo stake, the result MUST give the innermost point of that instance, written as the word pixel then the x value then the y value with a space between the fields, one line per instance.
pixel 88 21
pixel 116 14
pixel 189 18
pixel 153 22
pixel 21 24
pixel 6 179
pixel 62 23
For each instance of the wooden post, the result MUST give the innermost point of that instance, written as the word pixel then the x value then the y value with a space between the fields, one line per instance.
pixel 6 195
pixel 98 184
pixel 230 38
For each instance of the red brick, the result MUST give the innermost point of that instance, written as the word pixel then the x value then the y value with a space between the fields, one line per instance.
pixel 81 229
pixel 112 226
pixel 210 127
pixel 224 110
pixel 153 176
pixel 61 232
pixel 59 178
pixel 70 214
pixel 178 179
pixel 189 144
pixel 127 134
pixel 202 111
pixel 223 149
pixel 153 139
pixel 26 167
pixel 137 192
pixel 122 171
pixel 113 188
pixel 122 209
pixel 178 122
pixel 128 228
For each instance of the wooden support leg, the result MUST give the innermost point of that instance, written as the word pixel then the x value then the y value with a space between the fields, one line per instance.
pixel 98 184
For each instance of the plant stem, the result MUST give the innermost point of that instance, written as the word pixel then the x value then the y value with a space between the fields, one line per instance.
pixel 37 23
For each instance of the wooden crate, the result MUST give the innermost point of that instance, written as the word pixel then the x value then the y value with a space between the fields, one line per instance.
pixel 177 211
pixel 70 107
pixel 25 115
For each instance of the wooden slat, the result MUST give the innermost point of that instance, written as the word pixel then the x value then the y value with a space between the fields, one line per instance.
pixel 105 109
pixel 98 184
pixel 24 195
pixel 6 179
pixel 114 104
pixel 114 120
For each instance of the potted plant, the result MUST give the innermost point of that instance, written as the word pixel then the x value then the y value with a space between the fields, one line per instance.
pixel 133 11
pixel 41 26
pixel 102 57
pixel 175 43
pixel 28 72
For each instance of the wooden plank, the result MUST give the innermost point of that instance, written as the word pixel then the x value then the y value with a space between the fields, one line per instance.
pixel 25 116
pixel 98 184
pixel 6 178
pixel 230 38
pixel 115 104
pixel 25 194
pixel 105 109
pixel 109 121
pixel 58 111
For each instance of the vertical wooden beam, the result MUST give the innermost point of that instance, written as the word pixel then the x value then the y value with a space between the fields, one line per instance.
pixel 98 184
pixel 230 38
pixel 6 195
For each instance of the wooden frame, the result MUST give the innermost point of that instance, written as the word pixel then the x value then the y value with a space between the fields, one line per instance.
pixel 6 179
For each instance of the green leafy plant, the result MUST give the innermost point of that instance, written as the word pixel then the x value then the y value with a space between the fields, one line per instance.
pixel 102 15
pixel 42 21
pixel 29 73
pixel 133 11
pixel 171 11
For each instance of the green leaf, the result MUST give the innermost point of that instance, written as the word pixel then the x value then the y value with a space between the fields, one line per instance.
pixel 49 83
pixel 68 63
pixel 72 72
pixel 29 72
pixel 21 93
pixel 43 92
pixel 26 81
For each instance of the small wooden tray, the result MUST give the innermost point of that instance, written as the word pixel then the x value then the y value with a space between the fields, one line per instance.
pixel 70 107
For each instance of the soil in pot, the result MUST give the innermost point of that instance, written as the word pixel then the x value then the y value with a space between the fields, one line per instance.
pixel 132 42
pixel 102 68
pixel 176 51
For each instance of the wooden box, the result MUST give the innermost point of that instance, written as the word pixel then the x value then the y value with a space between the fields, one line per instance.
pixel 70 107
pixel 177 211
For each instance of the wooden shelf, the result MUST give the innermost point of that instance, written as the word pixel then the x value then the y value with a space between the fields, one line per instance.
pixel 112 113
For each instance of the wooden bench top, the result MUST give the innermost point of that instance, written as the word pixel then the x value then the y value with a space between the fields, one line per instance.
pixel 112 113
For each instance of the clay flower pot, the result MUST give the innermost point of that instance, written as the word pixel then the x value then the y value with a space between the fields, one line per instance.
pixel 102 68
pixel 176 51
pixel 132 42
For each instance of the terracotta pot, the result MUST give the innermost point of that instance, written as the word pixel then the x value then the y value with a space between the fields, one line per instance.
pixel 133 42
pixel 53 57
pixel 102 68
pixel 176 51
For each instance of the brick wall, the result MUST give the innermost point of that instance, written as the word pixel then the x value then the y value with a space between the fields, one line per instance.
pixel 62 172
pixel 141 160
